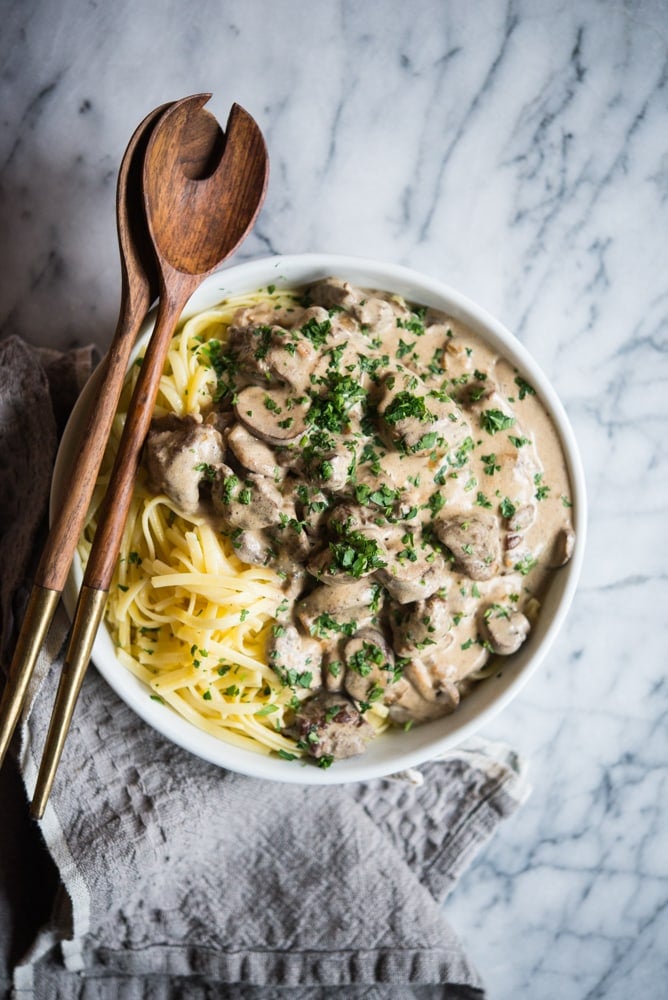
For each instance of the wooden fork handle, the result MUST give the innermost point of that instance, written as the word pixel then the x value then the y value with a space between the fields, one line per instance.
pixel 69 520
pixel 114 510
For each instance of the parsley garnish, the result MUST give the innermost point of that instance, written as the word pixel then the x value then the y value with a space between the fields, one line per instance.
pixel 495 420
pixel 507 508
pixel 525 388
pixel 526 564
pixel 490 465
pixel 316 332
pixel 356 554
pixel 406 405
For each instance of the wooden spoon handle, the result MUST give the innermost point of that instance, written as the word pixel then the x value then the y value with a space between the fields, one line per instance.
pixel 114 510
pixel 69 520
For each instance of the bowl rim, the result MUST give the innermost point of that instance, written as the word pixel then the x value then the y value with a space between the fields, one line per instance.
pixel 289 270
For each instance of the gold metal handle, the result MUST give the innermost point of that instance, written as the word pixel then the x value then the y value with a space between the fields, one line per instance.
pixel 90 609
pixel 41 608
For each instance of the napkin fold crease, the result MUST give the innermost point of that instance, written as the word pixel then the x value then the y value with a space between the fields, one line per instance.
pixel 180 879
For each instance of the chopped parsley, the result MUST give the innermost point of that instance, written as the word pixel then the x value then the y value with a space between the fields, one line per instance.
pixel 524 387
pixel 490 464
pixel 542 489
pixel 415 322
pixel 365 659
pixel 406 405
pixel 495 420
pixel 329 411
pixel 507 508
pixel 526 564
pixel 316 332
pixel 355 554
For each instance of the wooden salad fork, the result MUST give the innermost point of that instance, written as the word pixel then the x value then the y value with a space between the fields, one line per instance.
pixel 203 190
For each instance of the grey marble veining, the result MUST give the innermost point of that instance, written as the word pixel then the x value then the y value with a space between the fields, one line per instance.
pixel 519 151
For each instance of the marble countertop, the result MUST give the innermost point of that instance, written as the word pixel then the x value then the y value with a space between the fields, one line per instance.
pixel 516 150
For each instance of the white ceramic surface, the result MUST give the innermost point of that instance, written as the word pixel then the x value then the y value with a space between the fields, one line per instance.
pixel 395 750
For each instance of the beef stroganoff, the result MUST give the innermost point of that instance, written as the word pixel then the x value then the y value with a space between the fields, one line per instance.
pixel 348 511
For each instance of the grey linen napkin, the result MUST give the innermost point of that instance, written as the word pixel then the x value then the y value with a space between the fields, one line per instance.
pixel 180 879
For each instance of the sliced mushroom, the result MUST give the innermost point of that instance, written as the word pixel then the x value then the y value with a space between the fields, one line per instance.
pixel 252 547
pixel 375 313
pixel 333 670
pixel 504 629
pixel 252 503
pixel 407 704
pixel 345 606
pixel 562 550
pixel 276 415
pixel 405 589
pixel 329 725
pixel 473 540
pixel 290 541
pixel 522 518
pixel 353 555
pixel 180 455
pixel 313 506
pixel 269 354
pixel 421 625
pixel 416 420
pixel 333 292
pixel 369 666
pixel 295 658
pixel 252 453
pixel 413 571
pixel 292 361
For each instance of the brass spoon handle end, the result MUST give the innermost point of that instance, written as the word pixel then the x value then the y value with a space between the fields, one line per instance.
pixel 90 609
pixel 41 608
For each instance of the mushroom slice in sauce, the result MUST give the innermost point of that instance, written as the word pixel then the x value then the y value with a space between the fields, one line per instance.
pixel 328 610
pixel 254 454
pixel 417 420
pixel 270 354
pixel 412 572
pixel 503 628
pixel 253 502
pixel 407 704
pixel 369 663
pixel 181 454
pixel 421 625
pixel 275 416
pixel 473 540
pixel 295 658
pixel 562 549
pixel 376 313
pixel 252 547
pixel 333 292
pixel 329 726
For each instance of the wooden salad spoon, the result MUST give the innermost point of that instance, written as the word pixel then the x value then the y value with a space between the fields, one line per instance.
pixel 140 286
pixel 196 218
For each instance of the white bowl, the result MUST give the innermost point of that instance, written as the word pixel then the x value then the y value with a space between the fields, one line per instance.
pixel 394 750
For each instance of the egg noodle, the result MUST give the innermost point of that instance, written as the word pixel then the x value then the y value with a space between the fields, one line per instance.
pixel 187 617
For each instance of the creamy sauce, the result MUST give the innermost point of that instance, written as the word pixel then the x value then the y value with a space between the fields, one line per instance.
pixel 405 477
